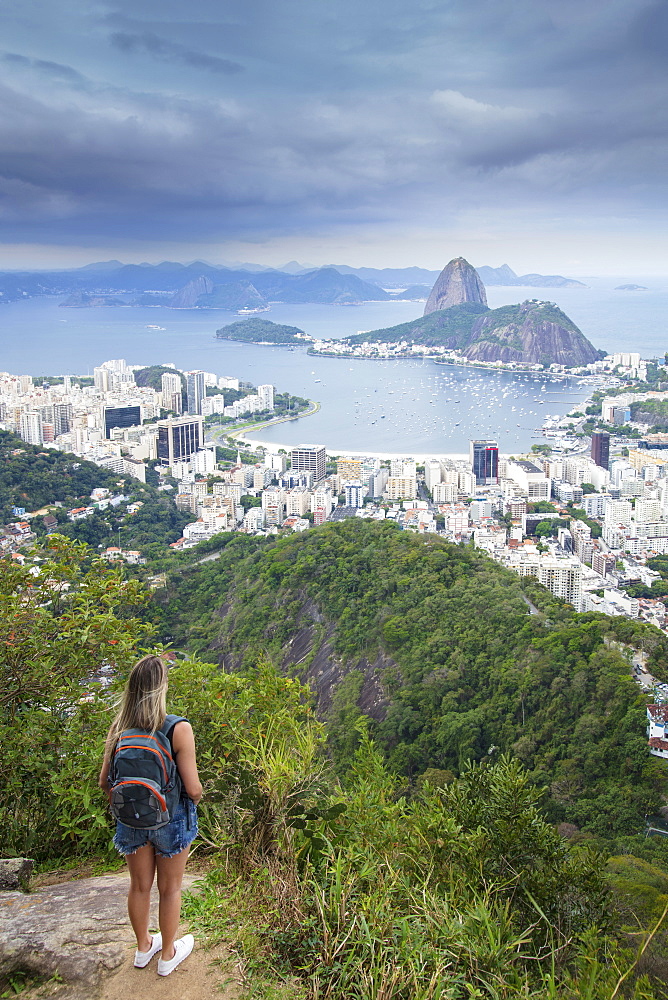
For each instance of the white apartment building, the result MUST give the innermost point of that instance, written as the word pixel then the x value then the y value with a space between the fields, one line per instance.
pixel 620 469
pixel 211 405
pixel 647 510
pixel 626 359
pixel 254 519
pixel 297 501
pixel 378 482
pixel 401 488
pixel 563 577
pixel 632 487
pixel 445 492
pixel 595 504
pixel 322 499
pixel 583 544
pixel 491 538
pixel 232 491
pixel 566 492
pixel 262 476
pixel 456 517
pixel 598 477
pixel 532 480
pixel 481 508
pixel 266 394
pixel 618 512
pixel 273 504
pixel 577 470
pixel 171 398
pixel 433 474
pixel 354 494
pixel 30 427
pixel 466 483
pixel 613 602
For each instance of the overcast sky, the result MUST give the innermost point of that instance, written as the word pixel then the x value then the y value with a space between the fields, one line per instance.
pixel 367 132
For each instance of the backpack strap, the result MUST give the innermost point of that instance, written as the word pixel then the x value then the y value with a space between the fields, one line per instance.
pixel 167 728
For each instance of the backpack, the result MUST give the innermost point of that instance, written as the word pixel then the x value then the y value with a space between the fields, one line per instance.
pixel 143 778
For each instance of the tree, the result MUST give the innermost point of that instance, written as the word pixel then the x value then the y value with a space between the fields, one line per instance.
pixel 61 620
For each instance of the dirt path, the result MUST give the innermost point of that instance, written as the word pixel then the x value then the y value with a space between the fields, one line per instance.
pixel 205 975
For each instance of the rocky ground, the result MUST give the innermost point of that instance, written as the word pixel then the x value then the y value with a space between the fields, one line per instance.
pixel 78 929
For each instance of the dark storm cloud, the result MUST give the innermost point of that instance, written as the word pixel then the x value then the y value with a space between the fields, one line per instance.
pixel 172 52
pixel 345 114
pixel 44 66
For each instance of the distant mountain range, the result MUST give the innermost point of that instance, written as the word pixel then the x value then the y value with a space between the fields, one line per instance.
pixel 247 286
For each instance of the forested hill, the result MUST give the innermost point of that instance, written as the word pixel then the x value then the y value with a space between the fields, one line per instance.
pixel 42 478
pixel 532 331
pixel 436 644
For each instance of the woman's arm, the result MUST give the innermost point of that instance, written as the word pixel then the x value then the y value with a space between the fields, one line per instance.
pixel 103 780
pixel 183 740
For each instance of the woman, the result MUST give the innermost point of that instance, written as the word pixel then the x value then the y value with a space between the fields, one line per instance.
pixel 143 706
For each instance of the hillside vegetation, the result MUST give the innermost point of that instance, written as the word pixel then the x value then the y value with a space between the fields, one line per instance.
pixel 260 331
pixel 435 643
pixel 36 477
pixel 366 885
pixel 447 327
pixel 651 411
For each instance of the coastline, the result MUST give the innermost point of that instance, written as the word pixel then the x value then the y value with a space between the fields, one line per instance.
pixel 274 446
pixel 240 432
pixel 463 363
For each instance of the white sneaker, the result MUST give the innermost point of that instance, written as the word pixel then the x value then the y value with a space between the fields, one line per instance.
pixel 142 958
pixel 182 948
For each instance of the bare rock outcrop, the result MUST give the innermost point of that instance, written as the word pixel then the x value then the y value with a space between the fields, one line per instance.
pixel 79 930
pixel 533 332
pixel 457 283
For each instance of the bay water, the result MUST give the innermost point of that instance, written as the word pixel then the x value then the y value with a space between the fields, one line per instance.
pixel 404 406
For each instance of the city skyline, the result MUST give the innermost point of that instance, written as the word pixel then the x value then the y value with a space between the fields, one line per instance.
pixel 383 135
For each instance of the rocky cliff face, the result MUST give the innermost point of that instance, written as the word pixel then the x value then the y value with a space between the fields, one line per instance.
pixel 457 283
pixel 534 332
pixel 313 643
pixel 186 297
pixel 237 295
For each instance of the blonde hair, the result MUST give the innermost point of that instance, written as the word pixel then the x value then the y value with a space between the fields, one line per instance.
pixel 143 704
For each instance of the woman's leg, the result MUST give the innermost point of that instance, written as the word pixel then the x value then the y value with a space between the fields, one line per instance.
pixel 170 877
pixel 142 872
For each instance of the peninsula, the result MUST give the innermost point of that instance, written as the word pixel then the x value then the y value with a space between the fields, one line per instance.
pixel 456 317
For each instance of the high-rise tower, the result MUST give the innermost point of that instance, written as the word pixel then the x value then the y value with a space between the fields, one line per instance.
pixel 196 391
pixel 485 462
pixel 600 448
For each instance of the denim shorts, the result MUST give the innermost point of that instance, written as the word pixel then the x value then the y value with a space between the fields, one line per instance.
pixel 168 840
